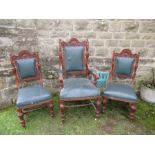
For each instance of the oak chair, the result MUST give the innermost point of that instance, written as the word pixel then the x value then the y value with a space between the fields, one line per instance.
pixel 74 82
pixel 124 66
pixel 27 69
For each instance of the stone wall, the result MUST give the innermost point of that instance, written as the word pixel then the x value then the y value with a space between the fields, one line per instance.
pixel 42 35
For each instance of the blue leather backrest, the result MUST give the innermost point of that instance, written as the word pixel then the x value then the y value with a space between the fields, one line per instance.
pixel 124 65
pixel 26 68
pixel 74 56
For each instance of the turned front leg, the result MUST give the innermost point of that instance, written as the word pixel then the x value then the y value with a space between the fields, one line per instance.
pixel 51 108
pixel 98 107
pixel 132 107
pixel 21 117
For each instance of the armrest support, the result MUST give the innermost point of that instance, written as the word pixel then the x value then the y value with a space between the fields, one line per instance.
pixel 94 71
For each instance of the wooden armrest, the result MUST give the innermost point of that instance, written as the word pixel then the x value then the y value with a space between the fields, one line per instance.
pixel 94 71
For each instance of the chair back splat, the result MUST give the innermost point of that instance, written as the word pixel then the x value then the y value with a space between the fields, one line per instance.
pixel 73 57
pixel 124 65
pixel 26 67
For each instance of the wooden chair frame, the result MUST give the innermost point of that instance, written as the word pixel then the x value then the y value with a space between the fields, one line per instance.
pixel 113 75
pixel 85 72
pixel 24 54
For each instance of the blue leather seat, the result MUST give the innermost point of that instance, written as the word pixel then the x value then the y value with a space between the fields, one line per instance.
pixel 120 91
pixel 78 88
pixel 32 95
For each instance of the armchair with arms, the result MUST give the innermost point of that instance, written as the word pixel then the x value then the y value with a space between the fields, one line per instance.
pixel 75 85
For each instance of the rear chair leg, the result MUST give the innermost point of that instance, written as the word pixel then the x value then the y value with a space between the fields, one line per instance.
pixel 98 107
pixel 132 107
pixel 104 104
pixel 51 108
pixel 62 111
pixel 21 117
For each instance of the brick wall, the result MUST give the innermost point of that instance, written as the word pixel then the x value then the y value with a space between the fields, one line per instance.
pixel 42 35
